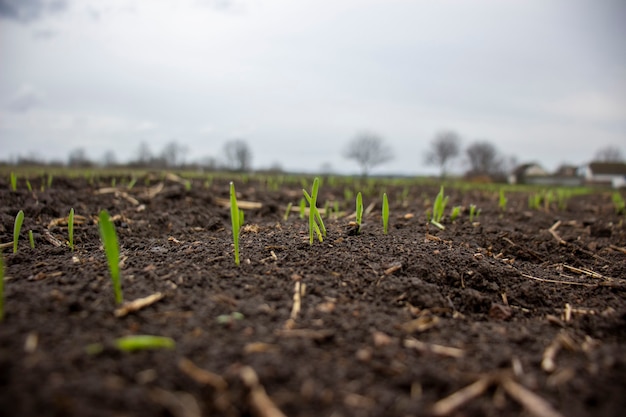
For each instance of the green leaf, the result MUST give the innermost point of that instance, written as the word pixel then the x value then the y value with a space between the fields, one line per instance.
pixel 17 227
pixel 112 251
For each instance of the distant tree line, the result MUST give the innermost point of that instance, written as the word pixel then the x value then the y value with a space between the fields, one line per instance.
pixel 236 156
pixel 367 149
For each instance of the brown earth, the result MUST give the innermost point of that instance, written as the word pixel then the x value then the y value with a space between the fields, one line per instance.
pixel 526 308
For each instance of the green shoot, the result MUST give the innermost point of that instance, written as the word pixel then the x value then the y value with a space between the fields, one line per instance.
pixel 13 181
pixel 49 182
pixel 112 250
pixel 229 319
pixel 113 182
pixel 143 342
pixel 29 186
pixel 316 224
pixel 188 185
pixel 502 200
pixel 618 203
pixel 236 217
pixel 132 183
pixel 70 228
pixel 1 287
pixel 456 210
pixel 359 211
pixel 287 211
pixel 534 201
pixel 385 214
pixel 439 207
pixel 17 227
pixel 302 207
pixel 134 343
pixel 473 213
pixel 31 239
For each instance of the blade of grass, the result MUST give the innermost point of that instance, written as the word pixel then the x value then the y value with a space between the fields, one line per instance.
pixel 17 227
pixel 31 239
pixel 385 213
pixel 236 217
pixel 143 342
pixel 359 210
pixel 112 251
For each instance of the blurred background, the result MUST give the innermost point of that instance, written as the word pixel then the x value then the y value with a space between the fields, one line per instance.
pixel 425 87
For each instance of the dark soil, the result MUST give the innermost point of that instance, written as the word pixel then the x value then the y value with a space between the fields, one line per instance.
pixel 388 325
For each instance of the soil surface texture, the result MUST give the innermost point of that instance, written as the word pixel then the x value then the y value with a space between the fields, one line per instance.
pixel 520 312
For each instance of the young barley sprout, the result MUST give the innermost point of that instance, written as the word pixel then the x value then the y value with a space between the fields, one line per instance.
pixel 316 224
pixel 385 213
pixel 70 228
pixel 17 227
pixel 456 210
pixel 502 200
pixel 236 217
pixel 144 342
pixel 31 239
pixel 359 210
pixel 287 211
pixel 112 251
pixel 439 207
pixel 13 178
pixel 472 213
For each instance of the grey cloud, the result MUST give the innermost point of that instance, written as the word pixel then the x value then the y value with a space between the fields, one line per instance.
pixel 28 10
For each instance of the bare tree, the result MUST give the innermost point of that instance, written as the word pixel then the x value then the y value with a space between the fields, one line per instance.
pixel 238 155
pixel 484 159
pixel 173 154
pixel 78 158
pixel 144 154
pixel 109 159
pixel 368 150
pixel 444 147
pixel 609 154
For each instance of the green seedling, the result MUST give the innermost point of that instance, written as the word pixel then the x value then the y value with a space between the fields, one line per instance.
pixel 534 201
pixel 143 342
pixel 70 228
pixel 454 214
pixel 135 343
pixel 13 179
pixel 618 203
pixel 439 207
pixel 1 287
pixel 316 224
pixel 17 227
pixel 188 185
pixel 49 181
pixel 29 186
pixel 359 211
pixel 287 211
pixel 112 251
pixel 113 182
pixel 132 183
pixel 302 208
pixel 229 319
pixel 502 201
pixel 385 213
pixel 562 196
pixel 473 212
pixel 31 239
pixel 236 217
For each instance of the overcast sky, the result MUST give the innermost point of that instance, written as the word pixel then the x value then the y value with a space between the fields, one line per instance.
pixel 544 80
